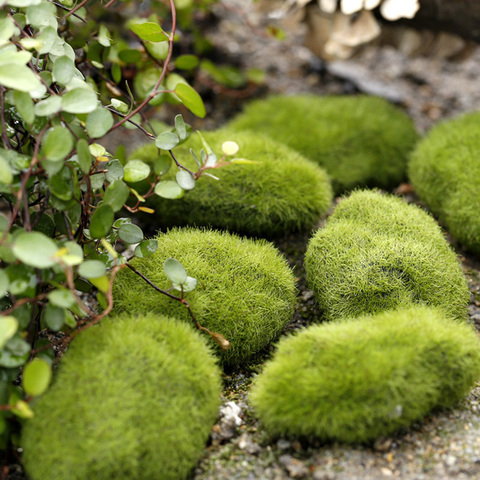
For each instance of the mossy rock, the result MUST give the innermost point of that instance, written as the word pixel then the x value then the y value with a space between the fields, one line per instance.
pixel 445 171
pixel 360 379
pixel 134 398
pixel 360 140
pixel 245 290
pixel 283 192
pixel 376 252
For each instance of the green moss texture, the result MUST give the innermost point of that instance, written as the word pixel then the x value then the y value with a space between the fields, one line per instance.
pixel 376 252
pixel 134 398
pixel 245 291
pixel 359 140
pixel 358 380
pixel 445 171
pixel 282 193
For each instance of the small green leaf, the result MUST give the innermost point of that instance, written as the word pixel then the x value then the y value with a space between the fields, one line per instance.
pixel 244 161
pixel 116 73
pixel 61 298
pixel 185 180
pixel 191 99
pixel 57 144
pixel 8 328
pixel 101 221
pixel 35 249
pixel 49 106
pixel 129 55
pixel 136 171
pixel 104 36
pixel 83 155
pixel 169 189
pixel 180 127
pixel 189 285
pixel 22 409
pixel 63 70
pixel 146 248
pixel 167 140
pixel 99 122
pixel 36 377
pixel 230 148
pixel 92 269
pixel 53 317
pixel 24 105
pixel 4 284
pixel 122 107
pixel 175 271
pixel 116 195
pixel 130 233
pixel 42 15
pixel 79 100
pixel 114 171
pixel 102 283
pixel 18 77
pixel 186 62
pixel 6 175
pixel 149 31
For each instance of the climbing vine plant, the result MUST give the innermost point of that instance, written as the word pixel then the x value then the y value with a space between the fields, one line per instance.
pixel 71 73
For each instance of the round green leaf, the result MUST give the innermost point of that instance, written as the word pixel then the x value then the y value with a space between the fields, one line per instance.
pixel 61 298
pixel 146 248
pixel 99 122
pixel 187 286
pixel 114 171
pixel 79 100
pixel 186 62
pixel 53 317
pixel 185 180
pixel 180 127
pixel 92 269
pixel 167 140
pixel 57 144
pixel 6 175
pixel 149 31
pixel 42 15
pixel 101 221
pixel 8 328
pixel 18 77
pixel 49 106
pixel 169 189
pixel 175 271
pixel 24 106
pixel 116 195
pixel 36 377
pixel 136 171
pixel 63 70
pixel 191 99
pixel 130 233
pixel 35 249
pixel 129 55
pixel 83 155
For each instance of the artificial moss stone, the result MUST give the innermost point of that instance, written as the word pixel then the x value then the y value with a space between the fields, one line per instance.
pixel 376 252
pixel 134 398
pixel 360 140
pixel 358 380
pixel 445 171
pixel 282 193
pixel 245 291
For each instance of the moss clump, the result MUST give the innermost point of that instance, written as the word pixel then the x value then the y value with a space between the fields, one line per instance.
pixel 355 381
pixel 360 140
pixel 245 291
pixel 376 252
pixel 445 172
pixel 134 398
pixel 282 193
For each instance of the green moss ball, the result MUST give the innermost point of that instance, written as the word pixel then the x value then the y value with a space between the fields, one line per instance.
pixel 282 192
pixel 355 381
pixel 445 171
pixel 245 290
pixel 376 252
pixel 359 140
pixel 134 398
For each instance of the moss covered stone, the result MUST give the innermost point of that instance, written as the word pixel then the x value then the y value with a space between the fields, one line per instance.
pixel 445 171
pixel 245 291
pixel 283 192
pixel 357 380
pixel 376 252
pixel 359 140
pixel 134 398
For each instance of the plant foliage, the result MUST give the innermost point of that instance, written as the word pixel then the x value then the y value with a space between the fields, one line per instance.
pixel 376 252
pixel 360 379
pixel 359 140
